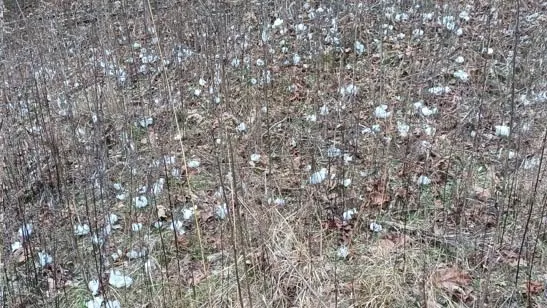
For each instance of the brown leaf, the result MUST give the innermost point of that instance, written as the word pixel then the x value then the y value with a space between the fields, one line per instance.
pixel 162 212
pixel 391 242
pixel 533 287
pixel 20 255
pixel 454 281
pixel 378 199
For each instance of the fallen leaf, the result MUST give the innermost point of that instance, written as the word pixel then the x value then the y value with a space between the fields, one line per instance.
pixel 533 287
pixel 162 212
pixel 454 281
pixel 378 198
pixel 482 194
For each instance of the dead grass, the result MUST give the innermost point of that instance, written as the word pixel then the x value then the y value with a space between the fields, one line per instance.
pixel 76 86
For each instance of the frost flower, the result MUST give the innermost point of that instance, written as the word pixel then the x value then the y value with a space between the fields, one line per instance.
pixel 346 182
pixel 277 23
pixel 141 202
pixel 145 122
pixel 461 75
pixel 349 90
pixel 449 22
pixel 426 111
pixel 333 152
pixel 255 157
pixel 221 211
pixel 25 231
pixel 193 163
pixel 118 280
pixel 81 229
pixel 93 286
pixel 136 227
pixel 348 215
pixel 381 112
pixel 359 47
pixel 439 90
pixel 375 227
pixel 403 129
pixel 318 177
pixel 44 259
pixel 242 127
pixel 464 15
pixel 502 130
pixel 342 252
pixel 423 180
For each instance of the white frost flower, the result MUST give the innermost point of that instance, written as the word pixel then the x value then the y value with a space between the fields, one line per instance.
pixel 157 188
pixel 347 158
pixel 193 163
pixel 427 16
pixel 464 15
pixel 98 302
pixel 349 90
pixel 429 129
pixel 255 157
pixel 403 129
pixel 277 23
pixel 348 214
pixel 375 227
pixel 134 254
pixel 318 177
pixel 118 280
pixel 301 27
pixel 324 110
pixel 93 286
pixel 296 59
pixel 81 229
pixel 141 202
pixel 461 75
pixel 376 128
pixel 136 227
pixel 359 47
pixel 25 231
pixel 44 258
pixel 381 112
pixel 342 252
pixel 459 60
pixel 426 111
pixel 242 127
pixel 423 180
pixel 16 245
pixel 439 90
pixel 311 117
pixel 333 152
pixel 221 211
pixel 177 225
pixel 187 213
pixel 346 182
pixel 502 130
pixel 449 22
pixel 417 32
pixel 145 122
pixel 401 17
pixel 277 201
pixel 489 51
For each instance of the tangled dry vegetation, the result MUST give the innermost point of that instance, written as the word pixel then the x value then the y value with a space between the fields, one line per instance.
pixel 273 154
